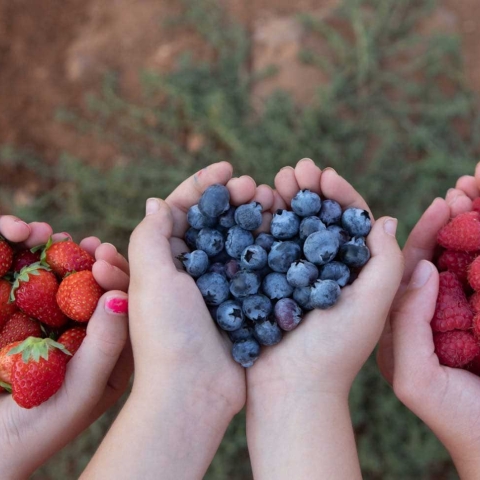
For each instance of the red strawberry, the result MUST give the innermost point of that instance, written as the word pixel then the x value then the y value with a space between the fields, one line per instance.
pixel 35 291
pixel 78 295
pixel 66 257
pixel 6 257
pixel 455 348
pixel 24 258
pixel 461 233
pixel 475 302
pixel 457 263
pixel 7 308
pixel 19 327
pixel 452 311
pixel 39 371
pixel 476 205
pixel 6 362
pixel 474 274
pixel 72 339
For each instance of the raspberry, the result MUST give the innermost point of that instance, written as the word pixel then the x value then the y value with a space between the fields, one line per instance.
pixel 457 263
pixel 461 233
pixel 474 274
pixel 474 366
pixel 475 302
pixel 476 205
pixel 452 311
pixel 456 348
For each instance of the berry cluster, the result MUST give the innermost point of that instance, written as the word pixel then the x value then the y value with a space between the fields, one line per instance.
pixel 258 287
pixel 456 322
pixel 43 292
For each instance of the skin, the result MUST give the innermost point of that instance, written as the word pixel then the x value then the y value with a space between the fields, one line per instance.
pixel 96 376
pixel 446 399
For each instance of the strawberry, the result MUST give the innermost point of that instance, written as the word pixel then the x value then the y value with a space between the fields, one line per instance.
pixel 24 258
pixel 6 257
pixel 7 308
pixel 72 339
pixel 462 233
pixel 39 371
pixel 456 348
pixel 476 205
pixel 6 362
pixel 34 292
pixel 19 327
pixel 456 262
pixel 474 274
pixel 78 295
pixel 452 311
pixel 66 257
pixel 475 302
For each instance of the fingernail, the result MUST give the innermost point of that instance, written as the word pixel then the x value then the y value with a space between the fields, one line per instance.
pixel 288 167
pixel 22 222
pixel 111 244
pixel 116 305
pixel 329 168
pixel 67 235
pixel 153 206
pixel 309 160
pixel 390 226
pixel 422 273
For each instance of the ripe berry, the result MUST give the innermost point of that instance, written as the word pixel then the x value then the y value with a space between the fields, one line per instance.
pixel 18 328
pixel 7 308
pixel 324 294
pixel 195 263
pixel 6 257
pixel 455 348
pixel 267 333
pixel 306 203
pixel 257 307
pixel 72 339
pixel 321 247
pixel 24 258
pixel 331 212
pixel 214 288
pixel 214 201
pixel 288 314
pixel 249 216
pixel 238 239
pixel 246 352
pixel 284 224
pixel 230 315
pixel 474 274
pixel 66 257
pixel 462 233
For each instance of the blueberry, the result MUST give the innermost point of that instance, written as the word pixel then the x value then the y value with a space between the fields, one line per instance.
pixel 191 238
pixel 210 241
pixel 195 263
pixel 222 257
pixel 249 216
pixel 354 253
pixel 243 333
pixel 244 283
pixel 324 294
pixel 214 288
pixel 288 314
pixel 257 307
pixel 230 315
pixel 198 220
pixel 265 240
pixel 337 271
pixel 227 219
pixel 276 286
pixel 262 273
pixel 214 201
pixel 282 255
pixel 218 268
pixel 331 212
pixel 356 222
pixel 306 203
pixel 267 333
pixel 321 247
pixel 310 225
pixel 238 239
pixel 284 224
pixel 231 268
pixel 302 273
pixel 254 257
pixel 302 296
pixel 342 235
pixel 246 352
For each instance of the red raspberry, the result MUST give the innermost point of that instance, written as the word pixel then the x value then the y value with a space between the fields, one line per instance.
pixel 457 263
pixel 456 348
pixel 474 366
pixel 474 274
pixel 476 205
pixel 462 233
pixel 452 311
pixel 476 326
pixel 475 302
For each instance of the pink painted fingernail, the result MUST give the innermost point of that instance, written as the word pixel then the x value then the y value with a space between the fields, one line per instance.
pixel 116 305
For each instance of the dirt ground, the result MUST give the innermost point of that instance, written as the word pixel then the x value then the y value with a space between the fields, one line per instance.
pixel 51 56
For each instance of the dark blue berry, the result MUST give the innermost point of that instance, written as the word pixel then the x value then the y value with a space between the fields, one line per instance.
pixel 222 257
pixel 267 333
pixel 214 201
pixel 244 283
pixel 265 240
pixel 302 296
pixel 302 273
pixel 191 238
pixel 335 271
pixel 306 203
pixel 310 225
pixel 282 255
pixel 276 286
pixel 356 222
pixel 214 288
pixel 246 352
pixel 331 212
pixel 249 216
pixel 218 268
pixel 354 253
pixel 254 257
pixel 288 314
pixel 342 235
pixel 284 224
pixel 321 247
pixel 195 263
pixel 231 268
pixel 324 294
pixel 230 315
pixel 257 307
pixel 238 239
pixel 243 333
pixel 198 220
pixel 210 241
pixel 227 219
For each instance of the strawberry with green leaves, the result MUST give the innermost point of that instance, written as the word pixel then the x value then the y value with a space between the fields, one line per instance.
pixel 19 327
pixel 38 370
pixel 7 308
pixel 34 292
pixel 72 339
pixel 6 257
pixel 24 258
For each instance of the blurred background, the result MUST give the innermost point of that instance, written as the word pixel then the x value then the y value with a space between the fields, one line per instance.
pixel 103 104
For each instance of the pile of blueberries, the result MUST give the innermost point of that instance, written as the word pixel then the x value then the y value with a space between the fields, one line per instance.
pixel 258 287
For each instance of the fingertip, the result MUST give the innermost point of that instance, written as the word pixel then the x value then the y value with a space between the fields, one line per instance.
pixel 14 229
pixel 242 189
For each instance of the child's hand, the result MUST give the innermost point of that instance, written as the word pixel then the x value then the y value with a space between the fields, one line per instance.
pixel 96 376
pixel 298 390
pixel 446 399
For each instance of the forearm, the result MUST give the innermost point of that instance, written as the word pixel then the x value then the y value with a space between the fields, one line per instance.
pixel 301 436
pixel 174 433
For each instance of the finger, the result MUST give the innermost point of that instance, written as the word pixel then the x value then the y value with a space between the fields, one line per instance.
pixel 14 229
pixel 265 226
pixel 469 186
pixel 242 190
pixel 308 175
pixel 90 245
pixel 335 187
pixel 477 175
pixel 278 202
pixel 458 202
pixel 264 196
pixel 61 237
pixel 110 277
pixel 286 184
pixel 40 233
pixel 109 253
pixel 189 192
